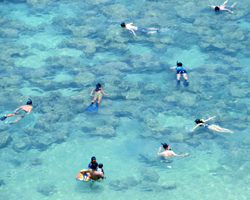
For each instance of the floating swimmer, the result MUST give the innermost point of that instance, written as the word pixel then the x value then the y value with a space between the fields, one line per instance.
pixel 202 122
pixel 167 153
pixel 21 111
pixel 223 7
pixel 180 70
pixel 98 94
pixel 140 29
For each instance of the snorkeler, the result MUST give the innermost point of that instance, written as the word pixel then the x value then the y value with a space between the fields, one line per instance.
pixel 202 122
pixel 168 152
pixel 223 7
pixel 100 169
pixel 93 160
pixel 140 29
pixel 98 94
pixel 21 111
pixel 180 70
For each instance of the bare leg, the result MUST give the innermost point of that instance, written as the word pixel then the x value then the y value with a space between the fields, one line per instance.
pixel 94 99
pixel 150 32
pixel 233 4
pixel 185 76
pixel 17 119
pixel 178 77
pixel 219 129
pixel 99 99
pixel 6 116
pixel 9 115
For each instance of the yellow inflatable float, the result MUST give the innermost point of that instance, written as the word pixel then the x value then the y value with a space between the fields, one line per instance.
pixel 83 176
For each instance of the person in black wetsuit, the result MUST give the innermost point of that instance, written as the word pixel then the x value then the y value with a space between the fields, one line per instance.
pixel 93 160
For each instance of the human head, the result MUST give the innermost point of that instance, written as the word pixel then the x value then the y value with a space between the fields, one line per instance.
pixel 198 121
pixel 217 8
pixel 29 102
pixel 123 25
pixel 93 159
pixel 179 64
pixel 100 165
pixel 98 85
pixel 165 145
pixel 94 165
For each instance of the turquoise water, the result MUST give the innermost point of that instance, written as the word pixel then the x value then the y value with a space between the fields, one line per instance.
pixel 55 52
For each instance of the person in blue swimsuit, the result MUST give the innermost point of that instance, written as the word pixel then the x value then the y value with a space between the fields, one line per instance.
pixel 202 122
pixel 180 70
pixel 224 7
pixel 140 29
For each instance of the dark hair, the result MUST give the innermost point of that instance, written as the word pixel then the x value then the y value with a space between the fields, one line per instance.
pixel 98 87
pixel 165 145
pixel 179 64
pixel 29 102
pixel 198 121
pixel 217 8
pixel 100 165
pixel 93 158
pixel 123 24
pixel 94 165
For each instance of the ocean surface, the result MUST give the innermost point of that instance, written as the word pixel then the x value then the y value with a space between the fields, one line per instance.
pixel 55 52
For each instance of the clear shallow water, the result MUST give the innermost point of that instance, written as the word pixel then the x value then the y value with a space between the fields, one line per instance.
pixel 55 53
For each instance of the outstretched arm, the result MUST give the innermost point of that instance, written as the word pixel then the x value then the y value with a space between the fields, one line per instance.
pixel 102 176
pixel 225 2
pixel 184 154
pixel 209 118
pixel 173 67
pixel 92 92
pixel 133 32
pixel 18 108
pixel 103 91
pixel 159 150
pixel 84 171
pixel 197 126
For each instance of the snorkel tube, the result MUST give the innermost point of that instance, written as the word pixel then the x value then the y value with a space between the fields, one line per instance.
pixel 29 102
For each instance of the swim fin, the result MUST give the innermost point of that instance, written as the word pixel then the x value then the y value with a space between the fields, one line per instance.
pixel 178 83
pixel 96 107
pixel 185 83
pixel 3 118
pixel 90 107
